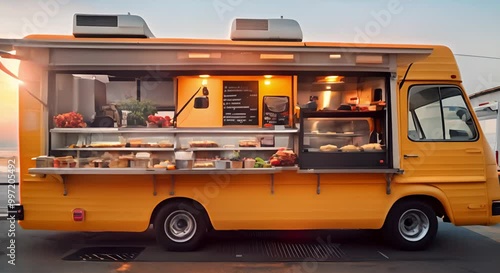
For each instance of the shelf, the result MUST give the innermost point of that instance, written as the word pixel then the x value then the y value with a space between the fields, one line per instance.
pixel 235 131
pixel 236 149
pixel 85 130
pixel 116 149
pixel 339 151
pixel 333 135
pixel 144 171
pixel 171 130
pixel 342 114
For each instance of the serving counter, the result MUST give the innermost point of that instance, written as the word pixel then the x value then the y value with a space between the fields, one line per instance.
pixel 60 173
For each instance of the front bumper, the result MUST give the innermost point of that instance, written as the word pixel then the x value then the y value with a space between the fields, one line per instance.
pixel 16 212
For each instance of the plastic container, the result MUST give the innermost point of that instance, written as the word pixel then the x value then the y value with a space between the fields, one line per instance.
pixel 44 161
pixel 249 163
pixel 140 163
pixel 236 164
pixel 222 164
pixel 182 155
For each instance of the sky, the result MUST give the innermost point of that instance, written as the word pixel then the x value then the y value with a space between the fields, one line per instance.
pixel 467 27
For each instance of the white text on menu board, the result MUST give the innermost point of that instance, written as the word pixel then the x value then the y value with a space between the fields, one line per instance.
pixel 238 104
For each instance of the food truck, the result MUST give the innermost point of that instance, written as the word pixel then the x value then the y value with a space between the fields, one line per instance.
pixel 119 130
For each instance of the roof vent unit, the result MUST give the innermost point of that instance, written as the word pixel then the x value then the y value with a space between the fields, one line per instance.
pixel 113 26
pixel 266 30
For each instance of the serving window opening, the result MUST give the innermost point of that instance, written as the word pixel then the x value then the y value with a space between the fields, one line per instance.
pixel 343 121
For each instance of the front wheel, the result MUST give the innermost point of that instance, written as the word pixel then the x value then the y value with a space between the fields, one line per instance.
pixel 180 227
pixel 411 226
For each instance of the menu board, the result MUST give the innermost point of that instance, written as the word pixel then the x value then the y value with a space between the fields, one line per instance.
pixel 240 103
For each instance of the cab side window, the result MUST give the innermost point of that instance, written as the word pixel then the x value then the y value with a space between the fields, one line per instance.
pixel 439 113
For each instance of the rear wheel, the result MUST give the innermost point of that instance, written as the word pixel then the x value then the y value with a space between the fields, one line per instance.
pixel 411 225
pixel 180 227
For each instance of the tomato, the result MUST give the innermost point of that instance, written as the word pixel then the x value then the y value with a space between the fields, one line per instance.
pixel 275 162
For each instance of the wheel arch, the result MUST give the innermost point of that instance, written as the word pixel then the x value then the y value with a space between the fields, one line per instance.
pixel 429 195
pixel 185 200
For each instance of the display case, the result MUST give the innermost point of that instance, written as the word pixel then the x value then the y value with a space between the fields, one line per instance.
pixel 343 139
pixel 87 145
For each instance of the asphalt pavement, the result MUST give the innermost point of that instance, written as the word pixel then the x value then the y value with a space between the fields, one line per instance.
pixel 456 249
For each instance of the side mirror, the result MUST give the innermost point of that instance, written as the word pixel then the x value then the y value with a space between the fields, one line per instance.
pixel 201 102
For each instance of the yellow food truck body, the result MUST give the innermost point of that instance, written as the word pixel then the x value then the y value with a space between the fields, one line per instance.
pixel 454 180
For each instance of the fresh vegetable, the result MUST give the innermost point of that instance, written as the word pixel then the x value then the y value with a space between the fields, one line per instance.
pixel 69 120
pixel 275 161
pixel 259 162
pixel 235 156
pixel 283 157
pixel 160 121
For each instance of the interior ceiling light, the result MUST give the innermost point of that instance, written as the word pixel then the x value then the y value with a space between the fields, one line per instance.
pixel 335 56
pixel 330 79
pixel 277 56
pixel 200 55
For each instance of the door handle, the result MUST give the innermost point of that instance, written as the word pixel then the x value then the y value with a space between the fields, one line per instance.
pixel 473 151
pixel 410 156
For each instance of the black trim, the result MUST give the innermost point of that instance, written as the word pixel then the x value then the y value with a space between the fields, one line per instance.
pixel 16 212
pixel 443 125
pixel 85 35
pixel 97 20
pixel 404 77
pixel 138 86
pixel 388 130
pixel 495 208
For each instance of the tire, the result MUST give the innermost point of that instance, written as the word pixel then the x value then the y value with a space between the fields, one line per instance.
pixel 410 225
pixel 180 227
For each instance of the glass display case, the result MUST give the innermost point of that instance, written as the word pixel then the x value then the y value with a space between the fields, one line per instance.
pixel 85 146
pixel 342 139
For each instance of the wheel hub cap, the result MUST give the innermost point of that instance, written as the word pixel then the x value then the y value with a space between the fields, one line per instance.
pixel 413 225
pixel 180 226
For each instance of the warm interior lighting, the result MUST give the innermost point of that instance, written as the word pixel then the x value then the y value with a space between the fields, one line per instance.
pixel 328 87
pixel 277 56
pixel 267 82
pixel 369 59
pixel 204 82
pixel 204 76
pixel 335 56
pixel 332 78
pixel 268 76
pixel 199 55
pixel 327 95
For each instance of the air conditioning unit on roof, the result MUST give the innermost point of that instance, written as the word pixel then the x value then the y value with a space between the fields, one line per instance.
pixel 125 26
pixel 266 30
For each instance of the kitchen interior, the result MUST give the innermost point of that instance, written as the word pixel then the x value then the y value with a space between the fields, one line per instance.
pixel 95 97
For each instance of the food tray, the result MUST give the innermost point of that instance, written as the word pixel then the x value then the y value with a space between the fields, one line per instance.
pixel 204 144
